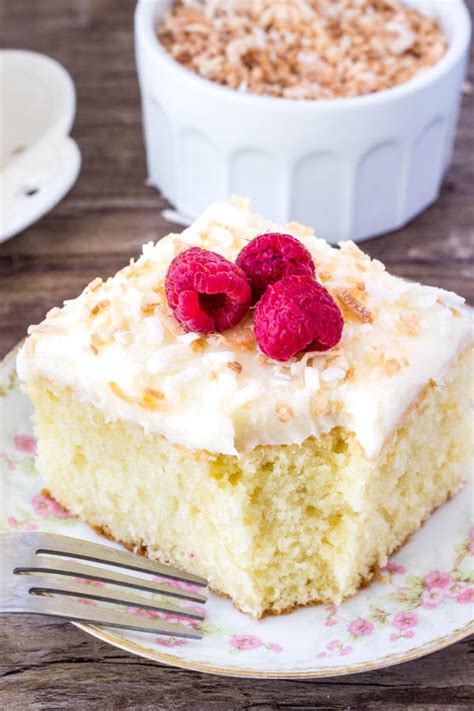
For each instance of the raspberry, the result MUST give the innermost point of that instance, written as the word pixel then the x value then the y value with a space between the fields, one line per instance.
pixel 272 256
pixel 206 292
pixel 296 314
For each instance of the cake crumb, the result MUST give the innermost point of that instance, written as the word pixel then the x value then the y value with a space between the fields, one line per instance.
pixel 380 577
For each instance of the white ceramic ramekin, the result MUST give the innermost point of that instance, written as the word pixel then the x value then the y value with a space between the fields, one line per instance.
pixel 352 168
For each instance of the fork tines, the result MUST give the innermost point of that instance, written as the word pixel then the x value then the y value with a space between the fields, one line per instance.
pixel 44 574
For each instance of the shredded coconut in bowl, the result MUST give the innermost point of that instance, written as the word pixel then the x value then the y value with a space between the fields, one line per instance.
pixel 302 49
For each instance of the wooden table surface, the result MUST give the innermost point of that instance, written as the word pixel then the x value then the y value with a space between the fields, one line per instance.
pixel 95 230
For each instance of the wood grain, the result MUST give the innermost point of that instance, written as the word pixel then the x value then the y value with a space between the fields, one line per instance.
pixel 102 223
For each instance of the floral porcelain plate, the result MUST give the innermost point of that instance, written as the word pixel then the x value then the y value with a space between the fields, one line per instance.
pixel 422 601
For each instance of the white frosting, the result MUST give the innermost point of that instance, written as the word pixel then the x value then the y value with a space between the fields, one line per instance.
pixel 131 360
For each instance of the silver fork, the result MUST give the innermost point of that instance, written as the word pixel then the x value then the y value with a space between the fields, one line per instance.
pixel 36 579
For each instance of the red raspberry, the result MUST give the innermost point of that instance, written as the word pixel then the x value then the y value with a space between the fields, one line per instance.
pixel 272 256
pixel 206 292
pixel 296 314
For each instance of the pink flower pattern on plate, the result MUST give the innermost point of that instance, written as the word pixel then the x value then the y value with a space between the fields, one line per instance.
pixel 360 627
pixel 9 463
pixel 45 506
pixel 404 620
pixel 171 641
pixel 432 597
pixel 13 522
pixel 393 568
pixel 25 444
pixel 178 584
pixel 466 597
pixel 471 541
pixel 93 583
pixel 335 647
pixel 436 579
pixel 244 641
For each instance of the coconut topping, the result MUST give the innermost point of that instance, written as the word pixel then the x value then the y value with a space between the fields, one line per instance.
pixel 118 346
pixel 302 49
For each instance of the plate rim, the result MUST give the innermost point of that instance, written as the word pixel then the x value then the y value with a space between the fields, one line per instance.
pixel 248 673
pixel 245 672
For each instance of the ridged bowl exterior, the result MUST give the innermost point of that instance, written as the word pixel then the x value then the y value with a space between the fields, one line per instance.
pixel 351 168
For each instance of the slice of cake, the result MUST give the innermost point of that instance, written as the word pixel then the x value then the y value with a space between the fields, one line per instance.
pixel 277 419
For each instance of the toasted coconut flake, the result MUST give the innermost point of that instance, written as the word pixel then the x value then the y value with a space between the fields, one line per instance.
pixel 301 49
pixel 319 403
pixel 354 306
pixel 235 366
pixel 99 307
pixel 284 413
pixel 199 345
pixel 409 324
pixel 352 250
pixel 262 358
pixel 29 347
pixel 298 230
pixel 148 309
pixel 376 356
pixel 333 373
pixel 392 366
pixel 324 275
pixel 100 339
pixel 46 329
pixel 350 374
pixel 360 286
pixel 95 284
pixel 180 246
pixel 241 336
pixel 168 320
pixel 117 390
pixel 152 399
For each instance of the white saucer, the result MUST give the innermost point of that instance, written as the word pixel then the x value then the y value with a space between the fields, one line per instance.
pixel 39 162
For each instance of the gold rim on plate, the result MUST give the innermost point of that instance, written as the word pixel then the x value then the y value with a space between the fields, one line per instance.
pixel 383 662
